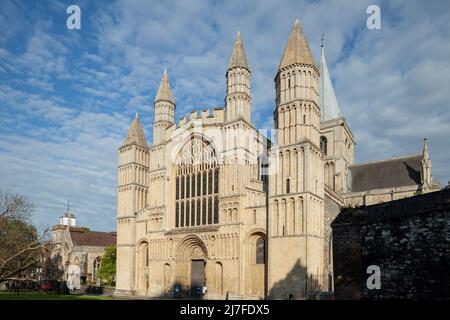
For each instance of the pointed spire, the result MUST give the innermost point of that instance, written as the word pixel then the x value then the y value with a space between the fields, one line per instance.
pixel 238 57
pixel 136 134
pixel 297 49
pixel 164 92
pixel 329 108
pixel 426 167
pixel 425 152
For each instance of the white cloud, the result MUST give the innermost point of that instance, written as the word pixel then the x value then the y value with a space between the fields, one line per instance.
pixel 67 99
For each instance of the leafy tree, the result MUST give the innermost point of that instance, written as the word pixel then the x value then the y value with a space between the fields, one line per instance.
pixel 107 269
pixel 20 244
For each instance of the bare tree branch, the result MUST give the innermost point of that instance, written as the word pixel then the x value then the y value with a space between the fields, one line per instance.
pixel 20 245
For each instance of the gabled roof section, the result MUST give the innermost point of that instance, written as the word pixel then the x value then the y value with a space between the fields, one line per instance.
pixel 297 49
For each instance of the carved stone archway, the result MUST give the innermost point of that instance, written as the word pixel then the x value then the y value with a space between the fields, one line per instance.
pixel 190 249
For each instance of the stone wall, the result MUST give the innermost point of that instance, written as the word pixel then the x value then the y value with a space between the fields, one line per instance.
pixel 409 239
pixel 331 210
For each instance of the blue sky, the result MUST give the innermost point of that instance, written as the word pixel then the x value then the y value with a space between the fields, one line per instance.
pixel 67 97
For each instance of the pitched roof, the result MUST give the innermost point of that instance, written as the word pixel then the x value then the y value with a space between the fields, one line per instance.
pixel 136 134
pixel 329 108
pixel 85 237
pixel 164 92
pixel 238 57
pixel 391 173
pixel 297 49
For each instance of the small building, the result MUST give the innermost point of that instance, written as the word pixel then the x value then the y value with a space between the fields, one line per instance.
pixel 72 244
pixel 407 239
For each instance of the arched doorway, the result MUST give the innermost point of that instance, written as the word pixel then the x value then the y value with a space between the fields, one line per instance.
pixel 192 256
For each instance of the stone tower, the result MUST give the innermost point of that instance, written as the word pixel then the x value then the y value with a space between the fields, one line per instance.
pixel 296 188
pixel 131 198
pixel 238 99
pixel 164 110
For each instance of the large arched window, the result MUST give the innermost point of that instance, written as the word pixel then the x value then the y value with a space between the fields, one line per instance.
pixel 323 145
pixel 197 173
pixel 260 251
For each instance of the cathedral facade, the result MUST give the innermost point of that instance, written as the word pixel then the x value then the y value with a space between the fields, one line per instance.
pixel 214 205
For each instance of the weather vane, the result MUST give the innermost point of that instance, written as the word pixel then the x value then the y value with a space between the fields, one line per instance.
pixel 322 38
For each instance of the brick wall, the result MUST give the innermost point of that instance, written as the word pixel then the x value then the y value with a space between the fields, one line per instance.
pixel 408 239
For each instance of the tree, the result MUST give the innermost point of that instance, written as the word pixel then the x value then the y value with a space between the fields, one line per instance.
pixel 51 269
pixel 107 269
pixel 20 243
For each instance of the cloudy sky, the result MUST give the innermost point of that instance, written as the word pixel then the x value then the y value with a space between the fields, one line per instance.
pixel 67 97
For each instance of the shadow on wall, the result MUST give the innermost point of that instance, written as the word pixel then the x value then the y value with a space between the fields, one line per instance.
pixel 294 285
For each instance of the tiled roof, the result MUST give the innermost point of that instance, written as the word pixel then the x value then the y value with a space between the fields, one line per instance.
pixel 85 237
pixel 384 174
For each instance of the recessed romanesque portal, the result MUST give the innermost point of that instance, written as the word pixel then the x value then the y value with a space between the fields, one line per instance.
pixel 191 261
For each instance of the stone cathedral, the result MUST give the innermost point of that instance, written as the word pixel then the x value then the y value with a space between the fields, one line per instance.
pixel 214 204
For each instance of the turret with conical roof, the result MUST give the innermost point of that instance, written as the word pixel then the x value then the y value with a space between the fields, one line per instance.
pixel 297 116
pixel 132 194
pixel 133 170
pixel 164 110
pixel 296 189
pixel 238 99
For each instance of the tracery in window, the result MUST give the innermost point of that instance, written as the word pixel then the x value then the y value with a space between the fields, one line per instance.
pixel 196 185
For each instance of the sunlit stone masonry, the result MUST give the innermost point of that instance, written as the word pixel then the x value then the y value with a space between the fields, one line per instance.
pixel 214 204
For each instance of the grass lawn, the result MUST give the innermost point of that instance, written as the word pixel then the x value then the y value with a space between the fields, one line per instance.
pixel 43 296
